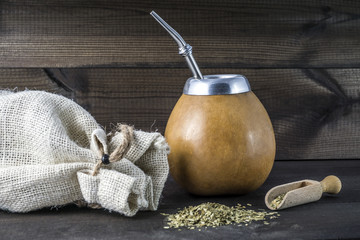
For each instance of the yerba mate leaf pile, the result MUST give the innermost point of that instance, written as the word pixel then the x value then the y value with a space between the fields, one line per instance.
pixel 215 214
pixel 277 201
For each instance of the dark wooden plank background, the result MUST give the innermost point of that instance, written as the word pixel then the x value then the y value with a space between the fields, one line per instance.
pixel 228 33
pixel 301 58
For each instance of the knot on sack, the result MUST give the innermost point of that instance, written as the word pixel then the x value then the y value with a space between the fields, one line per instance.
pixel 119 152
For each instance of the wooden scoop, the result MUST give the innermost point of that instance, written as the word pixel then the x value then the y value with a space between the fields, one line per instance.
pixel 301 192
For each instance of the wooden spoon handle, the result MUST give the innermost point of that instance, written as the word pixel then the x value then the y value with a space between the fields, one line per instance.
pixel 331 184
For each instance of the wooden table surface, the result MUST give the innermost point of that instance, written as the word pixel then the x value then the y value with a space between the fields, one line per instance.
pixel 333 217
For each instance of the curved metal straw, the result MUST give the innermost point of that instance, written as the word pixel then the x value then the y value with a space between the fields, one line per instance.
pixel 184 49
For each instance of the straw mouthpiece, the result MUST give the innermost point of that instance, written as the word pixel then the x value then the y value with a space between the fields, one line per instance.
pixel 184 49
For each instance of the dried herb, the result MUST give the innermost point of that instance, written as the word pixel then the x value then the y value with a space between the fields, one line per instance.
pixel 277 201
pixel 214 215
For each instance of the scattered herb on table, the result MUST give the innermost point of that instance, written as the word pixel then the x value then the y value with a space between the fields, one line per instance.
pixel 214 215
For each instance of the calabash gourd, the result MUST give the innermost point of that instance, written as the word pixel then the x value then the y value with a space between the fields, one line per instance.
pixel 220 136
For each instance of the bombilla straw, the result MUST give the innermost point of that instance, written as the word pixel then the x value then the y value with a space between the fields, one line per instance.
pixel 184 49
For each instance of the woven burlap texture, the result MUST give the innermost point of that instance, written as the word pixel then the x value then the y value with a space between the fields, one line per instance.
pixel 47 158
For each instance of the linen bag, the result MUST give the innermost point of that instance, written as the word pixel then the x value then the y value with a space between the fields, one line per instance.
pixel 53 152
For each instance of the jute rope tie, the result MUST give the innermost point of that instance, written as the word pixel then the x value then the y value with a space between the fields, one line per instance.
pixel 120 151
pixel 116 155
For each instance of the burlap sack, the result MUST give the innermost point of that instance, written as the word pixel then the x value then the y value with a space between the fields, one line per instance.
pixel 49 147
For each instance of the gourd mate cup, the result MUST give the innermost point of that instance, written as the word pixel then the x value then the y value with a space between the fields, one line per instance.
pixel 220 135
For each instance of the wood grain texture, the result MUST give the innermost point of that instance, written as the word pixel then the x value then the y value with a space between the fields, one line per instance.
pixel 332 217
pixel 242 34
pixel 32 79
pixel 315 112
